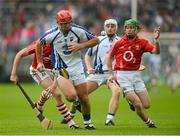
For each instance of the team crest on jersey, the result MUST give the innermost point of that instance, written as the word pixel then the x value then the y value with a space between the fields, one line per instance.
pixel 137 47
pixel 71 39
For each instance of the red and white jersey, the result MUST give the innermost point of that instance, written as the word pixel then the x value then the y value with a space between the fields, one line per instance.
pixel 31 49
pixel 127 54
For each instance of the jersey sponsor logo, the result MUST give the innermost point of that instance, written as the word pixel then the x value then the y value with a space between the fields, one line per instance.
pixel 128 56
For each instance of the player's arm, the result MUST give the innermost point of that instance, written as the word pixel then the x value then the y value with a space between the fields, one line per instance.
pixel 19 56
pixel 39 56
pixel 156 34
pixel 77 46
pixel 88 62
pixel 109 60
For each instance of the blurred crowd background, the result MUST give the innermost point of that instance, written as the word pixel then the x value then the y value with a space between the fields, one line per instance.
pixel 23 21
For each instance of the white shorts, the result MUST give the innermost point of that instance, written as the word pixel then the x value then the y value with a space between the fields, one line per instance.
pixel 98 78
pixel 39 76
pixel 130 81
pixel 76 78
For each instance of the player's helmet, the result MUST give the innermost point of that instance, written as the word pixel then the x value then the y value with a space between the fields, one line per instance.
pixel 111 21
pixel 63 16
pixel 132 22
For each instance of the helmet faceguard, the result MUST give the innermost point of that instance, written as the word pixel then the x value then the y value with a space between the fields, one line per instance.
pixel 111 22
pixel 63 16
pixel 134 26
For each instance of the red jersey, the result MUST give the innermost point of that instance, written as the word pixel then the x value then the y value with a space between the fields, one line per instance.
pixel 128 54
pixel 31 49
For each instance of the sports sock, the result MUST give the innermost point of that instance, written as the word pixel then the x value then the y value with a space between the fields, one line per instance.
pixel 86 119
pixel 148 122
pixel 72 114
pixel 64 112
pixel 43 98
pixel 109 117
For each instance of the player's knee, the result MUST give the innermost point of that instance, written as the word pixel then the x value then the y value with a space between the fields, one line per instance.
pixel 137 105
pixel 146 105
pixel 83 98
pixel 71 97
pixel 116 93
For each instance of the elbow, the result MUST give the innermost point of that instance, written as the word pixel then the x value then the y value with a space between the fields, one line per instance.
pixel 20 55
pixel 97 41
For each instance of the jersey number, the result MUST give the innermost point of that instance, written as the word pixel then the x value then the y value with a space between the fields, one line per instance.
pixel 65 50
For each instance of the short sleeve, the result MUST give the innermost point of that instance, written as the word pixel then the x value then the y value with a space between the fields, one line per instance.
pixel 48 37
pixel 148 47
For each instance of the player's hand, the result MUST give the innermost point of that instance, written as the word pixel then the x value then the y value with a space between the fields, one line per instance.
pixel 91 71
pixel 14 78
pixel 46 93
pixel 40 67
pixel 156 33
pixel 112 77
pixel 74 46
pixel 142 67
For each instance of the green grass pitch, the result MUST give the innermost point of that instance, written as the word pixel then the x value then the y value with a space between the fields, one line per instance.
pixel 17 118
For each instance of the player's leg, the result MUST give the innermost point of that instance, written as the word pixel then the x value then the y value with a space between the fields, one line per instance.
pixel 85 103
pixel 42 78
pixel 91 86
pixel 62 108
pixel 131 81
pixel 144 97
pixel 70 94
pixel 134 99
pixel 67 89
pixel 81 89
pixel 114 101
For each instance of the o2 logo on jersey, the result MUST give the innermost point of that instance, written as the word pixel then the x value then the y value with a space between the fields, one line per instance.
pixel 65 50
pixel 128 56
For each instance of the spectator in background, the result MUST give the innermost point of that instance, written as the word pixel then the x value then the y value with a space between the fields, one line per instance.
pixel 28 33
pixel 174 75
pixel 155 63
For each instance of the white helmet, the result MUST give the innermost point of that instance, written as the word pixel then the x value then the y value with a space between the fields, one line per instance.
pixel 110 21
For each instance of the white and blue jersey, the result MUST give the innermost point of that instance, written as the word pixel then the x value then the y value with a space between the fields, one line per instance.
pixel 99 53
pixel 60 56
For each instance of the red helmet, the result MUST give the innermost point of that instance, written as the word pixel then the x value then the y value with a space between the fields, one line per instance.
pixel 63 16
